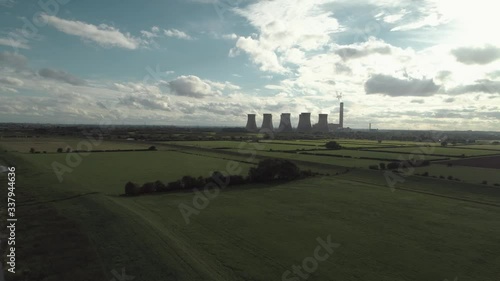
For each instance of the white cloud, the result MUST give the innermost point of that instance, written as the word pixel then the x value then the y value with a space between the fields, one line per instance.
pixel 60 75
pixel 177 34
pixel 478 55
pixel 259 54
pixel 284 25
pixel 11 42
pixel 104 35
pixel 191 86
pixel 11 81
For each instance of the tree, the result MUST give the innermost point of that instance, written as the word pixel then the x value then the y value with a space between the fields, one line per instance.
pixel 148 187
pixel 444 143
pixel 382 166
pixel 152 148
pixel 59 150
pixel 274 169
pixel 392 165
pixel 160 186
pixel 175 185
pixel 32 150
pixel 132 189
pixel 333 145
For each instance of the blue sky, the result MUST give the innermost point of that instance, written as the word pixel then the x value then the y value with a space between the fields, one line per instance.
pixel 399 64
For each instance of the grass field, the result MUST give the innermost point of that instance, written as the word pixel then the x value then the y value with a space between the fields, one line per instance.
pixel 371 154
pixel 110 171
pixel 480 146
pixel 50 145
pixel 449 151
pixel 252 232
pixel 468 174
pixel 241 144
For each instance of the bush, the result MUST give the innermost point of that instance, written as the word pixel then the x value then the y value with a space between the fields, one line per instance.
pixel 373 167
pixel 426 174
pixel 152 148
pixel 449 164
pixel 132 189
pixel 59 150
pixel 441 177
pixel 450 177
pixel 485 182
pixel 32 150
pixel 382 166
pixel 333 145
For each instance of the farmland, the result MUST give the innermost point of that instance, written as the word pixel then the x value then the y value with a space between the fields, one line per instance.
pixel 422 228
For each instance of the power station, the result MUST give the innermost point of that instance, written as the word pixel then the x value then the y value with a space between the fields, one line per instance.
pixel 251 124
pixel 304 125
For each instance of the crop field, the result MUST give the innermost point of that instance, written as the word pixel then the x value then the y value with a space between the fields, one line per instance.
pixel 492 162
pixel 50 145
pixel 425 229
pixel 451 151
pixel 480 146
pixel 110 171
pixel 252 233
pixel 371 154
pixel 468 174
pixel 241 144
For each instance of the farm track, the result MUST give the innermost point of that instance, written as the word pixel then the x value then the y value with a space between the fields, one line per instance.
pixel 191 258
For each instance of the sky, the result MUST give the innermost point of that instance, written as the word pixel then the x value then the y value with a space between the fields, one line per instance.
pixel 425 65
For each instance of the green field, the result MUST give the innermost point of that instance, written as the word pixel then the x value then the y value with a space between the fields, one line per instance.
pixel 468 174
pixel 422 229
pixel 110 171
pixel 449 151
pixel 263 145
pixel 51 145
pixel 370 154
pixel 480 146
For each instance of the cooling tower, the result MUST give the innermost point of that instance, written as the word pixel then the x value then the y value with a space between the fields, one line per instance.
pixel 267 122
pixel 322 123
pixel 251 124
pixel 341 115
pixel 285 124
pixel 304 122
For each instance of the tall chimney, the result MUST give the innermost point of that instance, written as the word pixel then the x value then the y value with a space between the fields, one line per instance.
pixel 341 115
pixel 322 123
pixel 267 122
pixel 285 124
pixel 251 124
pixel 304 122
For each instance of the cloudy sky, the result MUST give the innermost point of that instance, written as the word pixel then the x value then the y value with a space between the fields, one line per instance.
pixel 429 64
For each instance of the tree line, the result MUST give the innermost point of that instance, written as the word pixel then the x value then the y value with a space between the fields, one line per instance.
pixel 267 170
